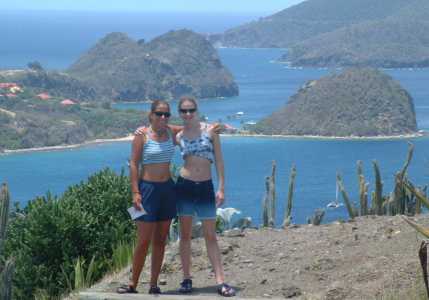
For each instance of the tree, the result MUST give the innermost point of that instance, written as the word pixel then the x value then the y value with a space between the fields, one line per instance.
pixel 35 66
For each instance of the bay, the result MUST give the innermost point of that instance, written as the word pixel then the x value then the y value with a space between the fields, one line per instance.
pixel 264 87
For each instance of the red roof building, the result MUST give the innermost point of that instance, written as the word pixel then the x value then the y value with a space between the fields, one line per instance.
pixel 7 85
pixel 68 102
pixel 43 96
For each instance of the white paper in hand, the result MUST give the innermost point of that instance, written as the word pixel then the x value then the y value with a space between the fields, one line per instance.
pixel 134 213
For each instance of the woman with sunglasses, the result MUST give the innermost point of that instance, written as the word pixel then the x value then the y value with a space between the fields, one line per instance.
pixel 200 147
pixel 153 191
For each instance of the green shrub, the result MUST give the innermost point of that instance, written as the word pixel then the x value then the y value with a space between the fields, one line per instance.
pixel 51 234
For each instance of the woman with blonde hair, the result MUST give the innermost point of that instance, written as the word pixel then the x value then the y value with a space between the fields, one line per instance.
pixel 200 147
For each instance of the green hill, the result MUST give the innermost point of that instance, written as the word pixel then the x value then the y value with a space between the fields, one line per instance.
pixel 307 19
pixel 390 43
pixel 380 33
pixel 54 82
pixel 356 102
pixel 176 63
pixel 27 121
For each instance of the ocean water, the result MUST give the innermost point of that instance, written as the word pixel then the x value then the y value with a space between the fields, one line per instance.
pixel 57 38
pixel 264 87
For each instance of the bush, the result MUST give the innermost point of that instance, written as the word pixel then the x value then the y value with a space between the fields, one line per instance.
pixel 51 234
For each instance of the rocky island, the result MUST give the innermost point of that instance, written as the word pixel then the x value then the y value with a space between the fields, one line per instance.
pixel 358 102
pixel 176 63
pixel 41 108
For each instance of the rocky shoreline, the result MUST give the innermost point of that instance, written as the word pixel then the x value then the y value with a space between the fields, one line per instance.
pixel 240 134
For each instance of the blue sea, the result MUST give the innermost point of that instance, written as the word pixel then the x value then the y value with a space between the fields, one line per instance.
pixel 57 39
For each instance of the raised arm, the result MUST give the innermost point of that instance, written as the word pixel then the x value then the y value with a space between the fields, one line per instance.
pixel 220 169
pixel 136 156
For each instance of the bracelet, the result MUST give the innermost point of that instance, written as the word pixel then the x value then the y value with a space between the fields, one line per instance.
pixel 136 192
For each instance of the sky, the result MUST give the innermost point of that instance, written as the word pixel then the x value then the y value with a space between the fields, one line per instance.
pixel 225 6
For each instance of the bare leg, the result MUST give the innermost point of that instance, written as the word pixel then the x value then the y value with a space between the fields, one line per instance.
pixel 185 244
pixel 209 229
pixel 159 238
pixel 144 235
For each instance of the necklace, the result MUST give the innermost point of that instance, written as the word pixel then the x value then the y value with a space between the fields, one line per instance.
pixel 159 133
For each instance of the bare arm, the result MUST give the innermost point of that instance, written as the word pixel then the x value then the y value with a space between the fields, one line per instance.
pixel 136 156
pixel 175 128
pixel 220 170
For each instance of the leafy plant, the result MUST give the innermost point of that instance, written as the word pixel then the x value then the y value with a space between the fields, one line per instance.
pixel 6 265
pixel 57 234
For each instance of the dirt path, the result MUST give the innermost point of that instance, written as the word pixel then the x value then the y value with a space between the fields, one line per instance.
pixel 364 259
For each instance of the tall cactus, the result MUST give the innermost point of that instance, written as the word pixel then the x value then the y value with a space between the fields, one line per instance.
pixel 272 196
pixel 378 197
pixel 350 207
pixel 7 269
pixel 265 202
pixel 363 189
pixel 417 193
pixel 4 213
pixel 288 210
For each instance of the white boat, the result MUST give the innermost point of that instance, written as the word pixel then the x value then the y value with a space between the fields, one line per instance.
pixel 250 123
pixel 239 113
pixel 335 203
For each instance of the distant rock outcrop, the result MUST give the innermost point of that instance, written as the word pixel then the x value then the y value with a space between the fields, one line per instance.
pixel 356 102
pixel 176 63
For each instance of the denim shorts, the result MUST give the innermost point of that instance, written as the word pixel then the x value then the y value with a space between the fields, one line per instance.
pixel 195 198
pixel 158 200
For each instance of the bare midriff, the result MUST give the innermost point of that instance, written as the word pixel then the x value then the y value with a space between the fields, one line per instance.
pixel 196 169
pixel 156 172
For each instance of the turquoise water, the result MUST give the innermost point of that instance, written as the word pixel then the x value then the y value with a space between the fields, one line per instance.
pixel 247 160
pixel 264 87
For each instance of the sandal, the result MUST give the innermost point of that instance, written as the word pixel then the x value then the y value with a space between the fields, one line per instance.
pixel 154 289
pixel 186 286
pixel 226 290
pixel 126 289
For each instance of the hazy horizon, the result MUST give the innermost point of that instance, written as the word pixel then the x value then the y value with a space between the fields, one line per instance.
pixel 173 6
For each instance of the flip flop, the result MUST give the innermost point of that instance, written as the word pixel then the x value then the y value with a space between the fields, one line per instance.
pixel 126 289
pixel 226 290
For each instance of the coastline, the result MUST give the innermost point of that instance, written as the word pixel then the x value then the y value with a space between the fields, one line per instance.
pixel 242 134
pixel 63 147
pixel 419 134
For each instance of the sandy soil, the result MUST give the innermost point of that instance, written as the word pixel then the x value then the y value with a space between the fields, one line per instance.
pixel 368 258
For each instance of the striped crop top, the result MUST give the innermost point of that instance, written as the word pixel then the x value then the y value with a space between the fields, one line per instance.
pixel 201 146
pixel 158 152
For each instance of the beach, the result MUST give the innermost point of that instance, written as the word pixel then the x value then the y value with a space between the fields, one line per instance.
pixel 239 134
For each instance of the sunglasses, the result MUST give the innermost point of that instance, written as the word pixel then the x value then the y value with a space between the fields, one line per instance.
pixel 185 111
pixel 162 114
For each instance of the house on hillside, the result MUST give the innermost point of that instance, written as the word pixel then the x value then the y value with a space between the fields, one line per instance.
pixel 15 89
pixel 67 102
pixel 8 85
pixel 43 96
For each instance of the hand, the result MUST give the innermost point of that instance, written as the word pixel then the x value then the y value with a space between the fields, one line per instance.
pixel 141 130
pixel 217 128
pixel 137 201
pixel 220 198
